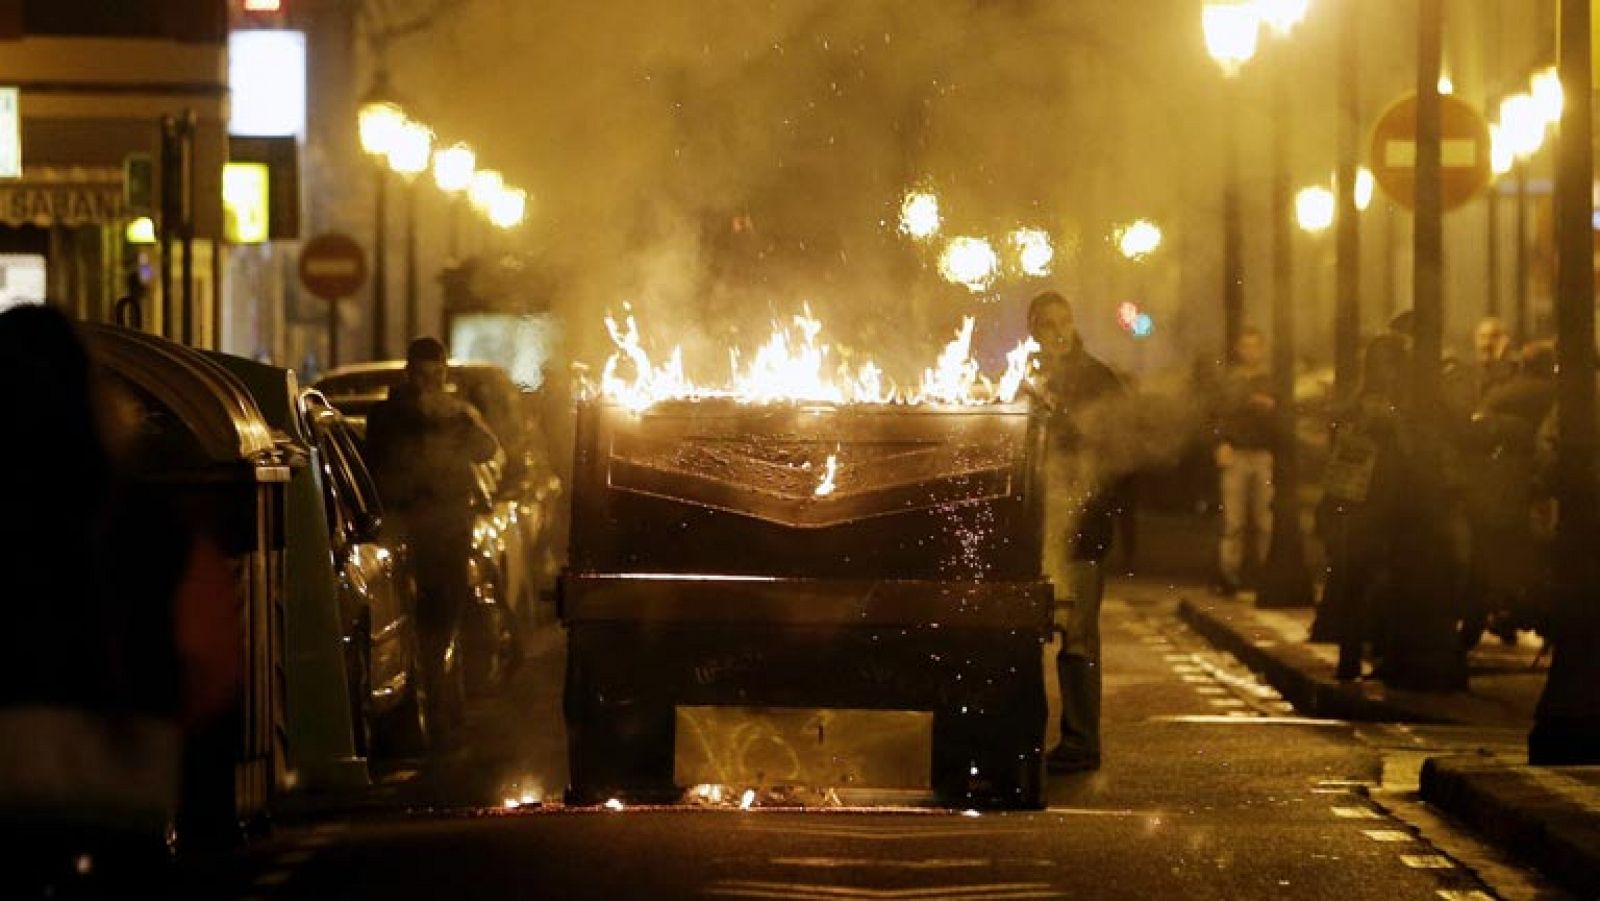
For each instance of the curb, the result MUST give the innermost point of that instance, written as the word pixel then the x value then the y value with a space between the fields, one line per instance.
pixel 1508 806
pixel 1289 668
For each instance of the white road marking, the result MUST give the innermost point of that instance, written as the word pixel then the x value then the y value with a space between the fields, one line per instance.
pixel 1388 835
pixel 1224 702
pixel 1212 689
pixel 950 863
pixel 1178 658
pixel 1197 679
pixel 1187 668
pixel 1456 895
pixel 1427 862
pixel 999 891
pixel 1355 813
pixel 274 877
pixel 1207 718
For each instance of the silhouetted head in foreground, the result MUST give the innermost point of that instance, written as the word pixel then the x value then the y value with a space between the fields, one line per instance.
pixel 425 365
pixel 55 459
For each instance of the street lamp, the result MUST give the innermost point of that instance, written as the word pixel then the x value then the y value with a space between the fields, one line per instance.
pixel 1231 31
pixel 453 168
pixel 1522 129
pixel 1314 209
pixel 378 121
pixel 1364 187
pixel 1139 239
pixel 409 156
pixel 508 207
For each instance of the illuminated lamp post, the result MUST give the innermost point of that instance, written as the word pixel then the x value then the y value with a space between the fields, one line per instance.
pixel 485 187
pixel 1231 31
pixel 379 120
pixel 1566 722
pixel 453 168
pixel 1285 580
pixel 1522 127
pixel 409 157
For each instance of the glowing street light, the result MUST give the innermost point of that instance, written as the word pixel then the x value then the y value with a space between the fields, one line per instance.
pixel 1365 184
pixel 919 215
pixel 486 186
pixel 1282 15
pixel 969 261
pixel 379 122
pixel 1232 31
pixel 1548 96
pixel 1139 239
pixel 411 149
pixel 1501 158
pixel 1522 124
pixel 508 207
pixel 453 167
pixel 1314 207
pixel 1034 252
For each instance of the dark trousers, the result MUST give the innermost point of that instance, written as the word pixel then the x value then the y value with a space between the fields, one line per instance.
pixel 439 558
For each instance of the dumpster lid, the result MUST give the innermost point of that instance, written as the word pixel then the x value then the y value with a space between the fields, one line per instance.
pixel 215 409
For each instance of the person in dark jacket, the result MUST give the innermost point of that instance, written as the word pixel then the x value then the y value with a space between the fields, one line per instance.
pixel 1359 517
pixel 423 444
pixel 1068 384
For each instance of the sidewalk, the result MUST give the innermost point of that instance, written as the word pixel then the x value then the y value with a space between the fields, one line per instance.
pixel 1549 817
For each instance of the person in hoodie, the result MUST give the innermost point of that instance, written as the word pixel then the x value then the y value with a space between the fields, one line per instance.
pixel 422 444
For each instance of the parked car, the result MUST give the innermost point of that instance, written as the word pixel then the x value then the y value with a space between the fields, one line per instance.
pixel 390 710
pixel 505 556
pixel 514 528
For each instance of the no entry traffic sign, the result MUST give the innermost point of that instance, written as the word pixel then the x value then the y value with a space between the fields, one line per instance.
pixel 1464 152
pixel 333 266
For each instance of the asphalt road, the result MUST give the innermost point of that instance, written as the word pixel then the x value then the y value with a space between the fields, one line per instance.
pixel 1211 788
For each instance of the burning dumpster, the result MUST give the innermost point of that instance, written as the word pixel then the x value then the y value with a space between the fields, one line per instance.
pixel 789 595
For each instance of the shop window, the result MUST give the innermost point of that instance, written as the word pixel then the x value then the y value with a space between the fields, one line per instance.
pixel 22 279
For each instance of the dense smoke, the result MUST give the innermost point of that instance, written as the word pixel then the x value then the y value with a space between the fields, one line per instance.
pixel 719 164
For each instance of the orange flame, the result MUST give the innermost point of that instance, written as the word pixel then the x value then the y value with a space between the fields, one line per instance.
pixel 794 364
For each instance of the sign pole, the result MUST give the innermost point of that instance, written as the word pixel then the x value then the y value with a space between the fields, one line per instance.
pixel 1424 654
pixel 333 267
pixel 1566 729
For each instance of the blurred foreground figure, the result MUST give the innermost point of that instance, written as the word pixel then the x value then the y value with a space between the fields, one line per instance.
pixel 120 635
pixel 1079 522
pixel 423 443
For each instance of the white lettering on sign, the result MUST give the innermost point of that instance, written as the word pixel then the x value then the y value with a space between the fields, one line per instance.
pixel 10 134
pixel 333 267
pixel 1454 153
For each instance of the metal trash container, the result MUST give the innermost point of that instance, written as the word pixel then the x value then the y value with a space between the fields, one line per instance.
pixel 205 445
pixel 816 579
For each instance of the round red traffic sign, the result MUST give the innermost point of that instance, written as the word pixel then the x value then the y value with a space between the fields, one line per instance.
pixel 1464 152
pixel 333 266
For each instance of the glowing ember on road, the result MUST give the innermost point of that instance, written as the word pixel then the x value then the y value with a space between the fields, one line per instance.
pixel 919 215
pixel 971 262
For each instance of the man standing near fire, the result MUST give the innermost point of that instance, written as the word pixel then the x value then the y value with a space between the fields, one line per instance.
pixel 423 443
pixel 1072 387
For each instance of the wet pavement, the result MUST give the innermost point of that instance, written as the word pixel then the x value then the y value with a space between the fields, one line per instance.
pixel 1212 787
pixel 1464 753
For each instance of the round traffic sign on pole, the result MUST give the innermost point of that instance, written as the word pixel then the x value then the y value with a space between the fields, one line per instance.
pixel 1464 152
pixel 333 266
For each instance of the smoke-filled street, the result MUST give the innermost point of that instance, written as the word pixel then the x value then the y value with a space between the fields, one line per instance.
pixel 803 449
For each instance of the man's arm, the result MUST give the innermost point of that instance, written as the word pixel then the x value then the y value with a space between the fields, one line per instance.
pixel 477 439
